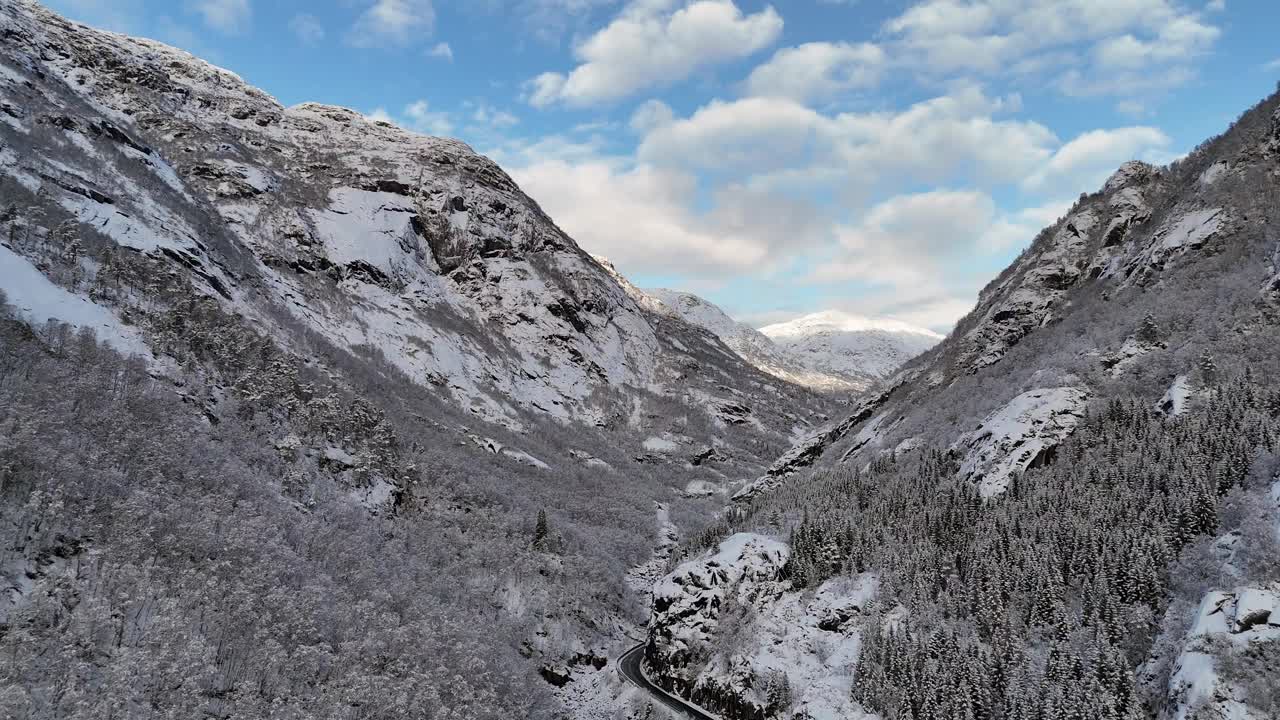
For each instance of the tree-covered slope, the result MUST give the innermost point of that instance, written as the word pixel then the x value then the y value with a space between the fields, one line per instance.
pixel 1069 508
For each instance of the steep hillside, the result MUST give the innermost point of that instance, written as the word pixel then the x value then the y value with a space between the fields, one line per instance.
pixel 759 350
pixel 1069 505
pixel 326 344
pixel 314 222
pixel 1187 245
pixel 748 343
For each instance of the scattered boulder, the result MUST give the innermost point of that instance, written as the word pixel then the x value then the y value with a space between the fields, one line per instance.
pixel 557 675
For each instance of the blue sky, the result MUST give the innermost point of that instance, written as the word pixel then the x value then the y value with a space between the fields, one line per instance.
pixel 883 158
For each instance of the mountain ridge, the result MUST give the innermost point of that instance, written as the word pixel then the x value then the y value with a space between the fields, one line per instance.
pixel 830 358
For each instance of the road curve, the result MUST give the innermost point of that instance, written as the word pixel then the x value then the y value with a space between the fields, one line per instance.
pixel 631 667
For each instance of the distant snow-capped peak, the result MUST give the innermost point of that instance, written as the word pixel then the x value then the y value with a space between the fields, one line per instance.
pixel 838 342
pixel 829 351
pixel 843 322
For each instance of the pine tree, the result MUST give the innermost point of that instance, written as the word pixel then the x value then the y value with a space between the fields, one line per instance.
pixel 542 533
pixel 1208 369
pixel 1149 331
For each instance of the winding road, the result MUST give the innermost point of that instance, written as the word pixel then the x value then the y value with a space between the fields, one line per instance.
pixel 631 665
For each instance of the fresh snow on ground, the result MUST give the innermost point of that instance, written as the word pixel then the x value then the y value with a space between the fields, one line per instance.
pixel 809 636
pixel 370 227
pixel 1238 618
pixel 1213 172
pixel 661 445
pixel 35 296
pixel 1192 229
pixel 1174 401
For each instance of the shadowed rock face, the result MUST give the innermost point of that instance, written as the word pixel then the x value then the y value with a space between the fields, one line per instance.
pixel 412 247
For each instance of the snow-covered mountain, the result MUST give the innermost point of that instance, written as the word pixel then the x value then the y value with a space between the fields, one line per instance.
pixel 841 343
pixel 1110 403
pixel 757 348
pixel 317 219
pixel 362 332
pixel 829 352
pixel 357 391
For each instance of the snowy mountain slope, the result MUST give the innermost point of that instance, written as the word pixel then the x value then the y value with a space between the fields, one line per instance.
pixel 378 240
pixel 373 336
pixel 1070 307
pixel 1091 452
pixel 799 648
pixel 757 349
pixel 837 342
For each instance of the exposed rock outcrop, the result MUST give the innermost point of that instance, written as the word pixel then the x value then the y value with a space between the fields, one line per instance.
pixel 1226 622
pixel 792 653
pixel 1019 435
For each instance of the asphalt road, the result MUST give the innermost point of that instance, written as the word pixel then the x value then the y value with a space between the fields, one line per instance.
pixel 630 666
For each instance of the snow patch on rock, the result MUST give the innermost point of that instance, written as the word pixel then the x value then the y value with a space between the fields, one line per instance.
pixel 37 298
pixel 1128 354
pixel 369 227
pixel 1213 173
pixel 1019 434
pixel 686 602
pixel 662 444
pixel 1134 171
pixel 1177 236
pixel 1174 401
pixel 1239 618
pixel 810 638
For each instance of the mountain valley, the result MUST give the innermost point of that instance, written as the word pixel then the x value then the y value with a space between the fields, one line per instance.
pixel 306 415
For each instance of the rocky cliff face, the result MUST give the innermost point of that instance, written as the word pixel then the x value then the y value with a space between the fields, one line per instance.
pixel 727 632
pixel 317 220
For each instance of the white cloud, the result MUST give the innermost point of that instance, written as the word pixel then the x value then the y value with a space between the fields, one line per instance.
pixel 307 28
pixel 951 138
pixel 544 89
pixel 547 20
pixel 491 118
pixel 1181 38
pixel 1133 108
pixel 650 45
pixel 1087 39
pixel 1084 163
pixel 418 117
pixel 905 251
pixel 1273 65
pixel 442 50
pixel 638 217
pixel 748 135
pixel 651 115
pixel 817 70
pixel 229 16
pixel 393 22
pixel 902 241
pixel 648 219
pixel 1020 227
